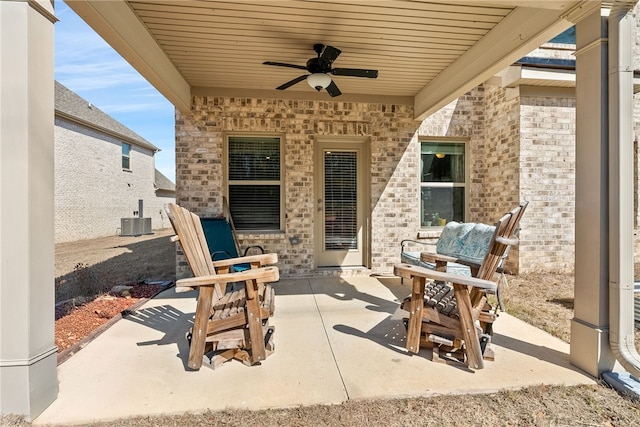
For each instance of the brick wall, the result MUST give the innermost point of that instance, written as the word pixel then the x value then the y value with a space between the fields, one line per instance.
pixel 92 192
pixel 498 172
pixel 547 167
pixel 394 174
pixel 392 132
pixel 519 148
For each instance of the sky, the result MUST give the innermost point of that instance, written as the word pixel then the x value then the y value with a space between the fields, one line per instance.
pixel 88 66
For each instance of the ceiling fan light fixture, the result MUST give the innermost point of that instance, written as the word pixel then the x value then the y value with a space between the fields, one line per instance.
pixel 319 81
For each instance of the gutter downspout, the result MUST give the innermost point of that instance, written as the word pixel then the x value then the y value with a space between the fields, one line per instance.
pixel 621 188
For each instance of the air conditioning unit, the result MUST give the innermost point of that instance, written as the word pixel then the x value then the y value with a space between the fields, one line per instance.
pixel 145 225
pixel 128 226
pixel 135 226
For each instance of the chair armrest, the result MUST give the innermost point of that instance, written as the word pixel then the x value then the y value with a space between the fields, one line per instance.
pixel 261 259
pixel 410 271
pixel 260 248
pixel 433 258
pixel 509 241
pixel 261 275
pixel 405 241
pixel 226 254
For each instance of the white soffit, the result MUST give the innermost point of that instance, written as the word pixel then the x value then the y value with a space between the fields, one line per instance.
pixel 427 51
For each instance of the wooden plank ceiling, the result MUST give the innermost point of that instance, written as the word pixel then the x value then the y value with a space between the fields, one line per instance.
pixel 223 44
pixel 426 52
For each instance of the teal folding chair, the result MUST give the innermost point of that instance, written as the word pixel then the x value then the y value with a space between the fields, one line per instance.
pixel 222 241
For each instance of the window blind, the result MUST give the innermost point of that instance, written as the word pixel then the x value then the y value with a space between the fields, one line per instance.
pixel 340 199
pixel 254 185
pixel 254 159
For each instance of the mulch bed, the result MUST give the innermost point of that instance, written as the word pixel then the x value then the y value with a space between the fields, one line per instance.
pixel 76 325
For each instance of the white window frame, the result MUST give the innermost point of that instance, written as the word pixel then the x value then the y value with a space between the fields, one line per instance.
pixel 465 184
pixel 280 182
pixel 126 156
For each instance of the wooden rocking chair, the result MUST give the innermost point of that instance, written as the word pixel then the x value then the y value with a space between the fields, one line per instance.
pixel 231 321
pixel 450 313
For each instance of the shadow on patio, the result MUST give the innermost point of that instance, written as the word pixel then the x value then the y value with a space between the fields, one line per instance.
pixel 336 339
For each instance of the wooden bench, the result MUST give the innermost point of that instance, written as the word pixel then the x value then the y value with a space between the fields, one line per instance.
pixel 449 312
pixel 460 249
pixel 233 308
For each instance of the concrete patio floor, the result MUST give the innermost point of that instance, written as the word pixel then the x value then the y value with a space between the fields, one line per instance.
pixel 336 339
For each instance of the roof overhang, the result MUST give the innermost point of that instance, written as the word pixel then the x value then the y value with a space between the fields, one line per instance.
pixel 106 131
pixel 427 53
pixel 522 75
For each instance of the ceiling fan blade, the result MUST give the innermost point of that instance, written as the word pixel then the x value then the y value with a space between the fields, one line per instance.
pixel 329 54
pixel 355 72
pixel 333 90
pixel 282 64
pixel 292 82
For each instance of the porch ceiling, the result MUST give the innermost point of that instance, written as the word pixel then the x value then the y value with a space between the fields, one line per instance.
pixel 427 53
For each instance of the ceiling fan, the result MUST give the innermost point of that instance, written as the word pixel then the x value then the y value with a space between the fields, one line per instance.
pixel 320 70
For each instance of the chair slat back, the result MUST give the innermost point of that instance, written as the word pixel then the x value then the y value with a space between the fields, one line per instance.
pixel 226 213
pixel 188 228
pixel 506 228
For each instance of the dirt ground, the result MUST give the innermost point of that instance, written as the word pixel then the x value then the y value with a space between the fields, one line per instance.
pixel 533 406
pixel 544 300
pixel 88 270
pixel 114 260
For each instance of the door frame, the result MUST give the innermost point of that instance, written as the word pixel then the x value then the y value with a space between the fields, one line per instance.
pixel 360 144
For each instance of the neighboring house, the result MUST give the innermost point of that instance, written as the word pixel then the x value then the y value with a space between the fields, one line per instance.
pixel 103 172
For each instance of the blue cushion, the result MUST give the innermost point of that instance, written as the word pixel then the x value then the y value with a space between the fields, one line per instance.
pixel 413 258
pixel 452 239
pixel 477 243
pixel 468 241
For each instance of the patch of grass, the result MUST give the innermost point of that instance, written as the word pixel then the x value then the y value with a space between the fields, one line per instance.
pixel 545 300
pixel 532 406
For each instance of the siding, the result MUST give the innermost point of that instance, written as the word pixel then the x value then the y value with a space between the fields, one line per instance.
pixel 92 192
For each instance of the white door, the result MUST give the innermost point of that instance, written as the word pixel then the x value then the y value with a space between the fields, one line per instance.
pixel 341 196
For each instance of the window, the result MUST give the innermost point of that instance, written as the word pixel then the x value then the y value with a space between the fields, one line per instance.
pixel 126 156
pixel 255 182
pixel 442 183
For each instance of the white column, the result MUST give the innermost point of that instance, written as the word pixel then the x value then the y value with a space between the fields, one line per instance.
pixel 590 348
pixel 28 381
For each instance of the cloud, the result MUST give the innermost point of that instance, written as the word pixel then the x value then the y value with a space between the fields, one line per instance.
pixel 87 65
pixel 131 107
pixel 84 61
pixel 80 71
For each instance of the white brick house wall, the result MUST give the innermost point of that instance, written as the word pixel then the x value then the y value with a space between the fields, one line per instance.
pixel 92 191
pixel 521 146
pixel 393 182
pixel 394 186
